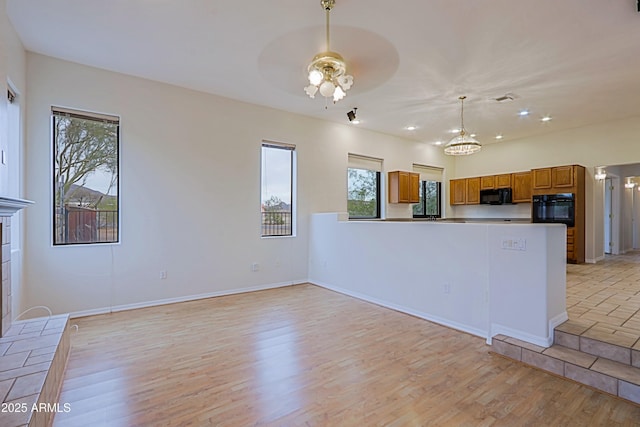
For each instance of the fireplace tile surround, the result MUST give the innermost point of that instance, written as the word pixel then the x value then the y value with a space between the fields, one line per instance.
pixel 8 207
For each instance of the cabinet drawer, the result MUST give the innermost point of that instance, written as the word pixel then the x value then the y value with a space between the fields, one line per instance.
pixel 570 240
pixel 571 232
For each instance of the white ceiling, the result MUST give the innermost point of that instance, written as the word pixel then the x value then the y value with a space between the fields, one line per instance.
pixel 575 60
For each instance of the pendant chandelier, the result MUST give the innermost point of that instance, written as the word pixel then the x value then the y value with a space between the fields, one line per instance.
pixel 327 72
pixel 463 144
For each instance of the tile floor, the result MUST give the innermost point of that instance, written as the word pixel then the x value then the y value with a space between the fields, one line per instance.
pixel 603 299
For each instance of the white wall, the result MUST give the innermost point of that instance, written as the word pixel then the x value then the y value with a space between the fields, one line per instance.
pixel 13 71
pixel 611 143
pixel 459 275
pixel 190 190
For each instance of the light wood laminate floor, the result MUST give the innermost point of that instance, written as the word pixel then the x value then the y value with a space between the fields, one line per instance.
pixel 306 356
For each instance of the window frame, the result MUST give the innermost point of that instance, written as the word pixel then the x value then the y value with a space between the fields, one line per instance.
pixel 99 117
pixel 293 188
pixel 423 200
pixel 378 213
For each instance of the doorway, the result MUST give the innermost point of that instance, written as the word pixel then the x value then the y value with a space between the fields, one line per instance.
pixel 608 215
pixel 612 216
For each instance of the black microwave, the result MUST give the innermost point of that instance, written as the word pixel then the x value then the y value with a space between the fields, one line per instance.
pixel 500 196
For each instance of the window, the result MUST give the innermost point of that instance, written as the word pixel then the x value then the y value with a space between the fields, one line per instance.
pixel 276 205
pixel 430 205
pixel 85 177
pixel 363 187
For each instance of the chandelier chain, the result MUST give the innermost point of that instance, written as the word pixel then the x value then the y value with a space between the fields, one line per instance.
pixel 462 98
pixel 327 32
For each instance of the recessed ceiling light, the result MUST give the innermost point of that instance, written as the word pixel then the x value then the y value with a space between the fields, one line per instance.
pixel 545 119
pixel 498 136
pixel 438 143
pixel 523 113
pixel 454 131
pixel 411 128
pixel 473 135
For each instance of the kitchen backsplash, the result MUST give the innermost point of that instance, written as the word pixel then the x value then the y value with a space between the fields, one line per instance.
pixel 520 210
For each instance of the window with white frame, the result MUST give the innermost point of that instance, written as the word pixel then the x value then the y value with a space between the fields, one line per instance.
pixel 85 177
pixel 363 187
pixel 430 205
pixel 277 189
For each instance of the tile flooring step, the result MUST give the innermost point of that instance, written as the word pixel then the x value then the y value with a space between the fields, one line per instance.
pixel 584 336
pixel 610 376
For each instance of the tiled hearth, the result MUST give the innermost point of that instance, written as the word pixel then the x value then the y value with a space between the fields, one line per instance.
pixel 33 359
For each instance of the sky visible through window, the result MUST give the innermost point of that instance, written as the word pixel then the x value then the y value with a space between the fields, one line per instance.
pixel 276 174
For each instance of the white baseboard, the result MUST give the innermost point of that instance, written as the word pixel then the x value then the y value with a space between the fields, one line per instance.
pixel 556 321
pixel 145 304
pixel 402 309
pixel 497 329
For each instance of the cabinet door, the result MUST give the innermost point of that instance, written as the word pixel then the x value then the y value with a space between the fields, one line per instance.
pixel 562 177
pixel 414 187
pixel 457 191
pixel 541 178
pixel 398 184
pixel 473 191
pixel 403 187
pixel 521 187
pixel 571 254
pixel 487 182
pixel 503 181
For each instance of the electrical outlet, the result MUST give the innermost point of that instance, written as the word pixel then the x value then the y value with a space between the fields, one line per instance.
pixel 255 266
pixel 514 244
pixel 163 274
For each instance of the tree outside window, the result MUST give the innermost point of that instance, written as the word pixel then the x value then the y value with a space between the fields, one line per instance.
pixel 85 178
pixel 429 205
pixel 276 200
pixel 363 193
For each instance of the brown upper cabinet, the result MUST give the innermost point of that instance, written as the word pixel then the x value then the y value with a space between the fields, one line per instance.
pixel 521 187
pixel 458 191
pixel 491 182
pixel 562 177
pixel 404 187
pixel 466 191
pixel 557 179
pixel 541 178
pixel 473 191
pixel 487 182
pixel 503 180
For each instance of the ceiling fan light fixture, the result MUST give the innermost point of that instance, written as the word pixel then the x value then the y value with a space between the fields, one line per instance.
pixel 462 144
pixel 327 71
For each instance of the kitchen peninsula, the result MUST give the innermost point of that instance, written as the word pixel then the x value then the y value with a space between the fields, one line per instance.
pixel 485 278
